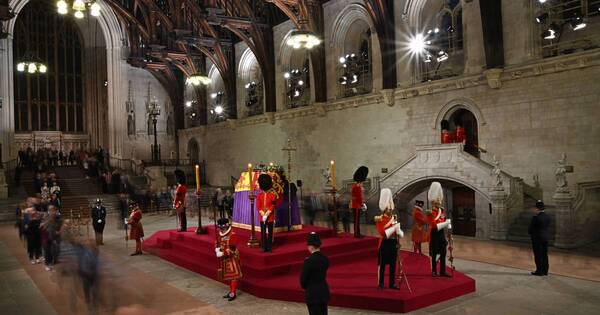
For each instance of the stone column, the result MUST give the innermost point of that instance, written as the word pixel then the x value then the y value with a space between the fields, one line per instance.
pixel 473 38
pixel 563 201
pixel 499 225
pixel 7 125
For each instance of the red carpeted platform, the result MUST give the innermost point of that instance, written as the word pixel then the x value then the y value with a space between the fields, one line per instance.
pixel 352 275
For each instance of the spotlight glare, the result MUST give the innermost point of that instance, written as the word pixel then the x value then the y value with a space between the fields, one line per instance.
pixel 417 44
pixel 219 109
pixel 21 67
pixel 78 14
pixel 300 82
pixel 188 104
pixel 342 60
pixel 286 75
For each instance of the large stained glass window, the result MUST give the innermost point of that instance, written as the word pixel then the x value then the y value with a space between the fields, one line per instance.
pixel 53 100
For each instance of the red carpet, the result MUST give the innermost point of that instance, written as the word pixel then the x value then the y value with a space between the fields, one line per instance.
pixel 352 275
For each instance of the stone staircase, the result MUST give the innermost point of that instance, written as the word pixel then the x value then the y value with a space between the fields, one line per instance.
pixel 518 229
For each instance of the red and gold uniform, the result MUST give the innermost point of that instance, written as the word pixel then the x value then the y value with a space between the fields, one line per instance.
pixel 460 135
pixel 265 205
pixel 420 229
pixel 230 268
pixel 389 232
pixel 357 204
pixel 136 230
pixel 180 205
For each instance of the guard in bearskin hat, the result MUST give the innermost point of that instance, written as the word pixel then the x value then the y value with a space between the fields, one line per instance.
pixel 389 230
pixel 438 224
pixel 179 201
pixel 265 204
pixel 420 229
pixel 230 268
pixel 446 136
pixel 358 202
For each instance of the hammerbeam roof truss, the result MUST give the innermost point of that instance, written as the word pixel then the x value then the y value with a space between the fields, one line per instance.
pixel 175 33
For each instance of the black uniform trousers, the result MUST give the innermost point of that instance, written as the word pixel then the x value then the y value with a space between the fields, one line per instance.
pixel 317 309
pixel 540 253
pixel 266 235
pixel 356 213
pixel 388 255
pixel 437 246
pixel 182 220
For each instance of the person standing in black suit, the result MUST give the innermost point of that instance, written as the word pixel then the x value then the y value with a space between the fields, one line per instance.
pixel 313 277
pixel 99 221
pixel 538 230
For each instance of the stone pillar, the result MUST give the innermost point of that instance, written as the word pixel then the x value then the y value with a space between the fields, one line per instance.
pixel 3 185
pixel 564 219
pixel 518 31
pixel 7 121
pixel 499 225
pixel 472 38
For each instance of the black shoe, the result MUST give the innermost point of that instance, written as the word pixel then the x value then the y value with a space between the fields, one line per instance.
pixel 231 298
pixel 393 287
pixel 444 275
pixel 380 287
pixel 434 274
pixel 226 296
pixel 535 273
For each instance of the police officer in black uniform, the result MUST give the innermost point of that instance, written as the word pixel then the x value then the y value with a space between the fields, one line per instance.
pixel 99 220
pixel 313 277
pixel 538 230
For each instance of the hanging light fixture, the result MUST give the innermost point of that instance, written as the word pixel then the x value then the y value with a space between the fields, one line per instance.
pixel 303 39
pixel 31 65
pixel 198 79
pixel 78 7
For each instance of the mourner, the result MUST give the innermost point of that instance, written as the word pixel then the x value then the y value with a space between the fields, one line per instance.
pixel 313 278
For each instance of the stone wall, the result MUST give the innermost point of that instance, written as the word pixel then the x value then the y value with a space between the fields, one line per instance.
pixel 527 124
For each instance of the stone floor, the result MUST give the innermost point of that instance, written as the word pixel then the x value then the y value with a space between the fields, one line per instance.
pixel 148 285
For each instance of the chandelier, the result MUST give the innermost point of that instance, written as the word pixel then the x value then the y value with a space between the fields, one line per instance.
pixel 198 79
pixel 78 7
pixel 31 65
pixel 303 39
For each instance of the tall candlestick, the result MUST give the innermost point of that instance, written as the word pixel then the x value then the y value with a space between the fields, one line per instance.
pixel 250 175
pixel 197 178
pixel 332 171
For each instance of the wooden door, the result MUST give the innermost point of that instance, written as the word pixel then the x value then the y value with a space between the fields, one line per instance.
pixel 463 211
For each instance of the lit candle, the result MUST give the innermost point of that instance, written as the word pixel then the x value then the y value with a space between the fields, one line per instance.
pixel 332 172
pixel 197 178
pixel 250 174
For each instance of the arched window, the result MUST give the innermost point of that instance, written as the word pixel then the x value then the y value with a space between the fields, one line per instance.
pixel 355 65
pixel 51 100
pixel 297 80
pixel 250 77
pixel 216 97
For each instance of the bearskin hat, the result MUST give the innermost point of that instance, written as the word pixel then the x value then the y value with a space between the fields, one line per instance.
pixel 179 177
pixel 445 125
pixel 361 174
pixel 419 203
pixel 223 222
pixel 265 182
pixel 458 122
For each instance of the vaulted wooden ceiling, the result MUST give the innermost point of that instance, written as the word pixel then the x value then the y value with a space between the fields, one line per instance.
pixel 170 38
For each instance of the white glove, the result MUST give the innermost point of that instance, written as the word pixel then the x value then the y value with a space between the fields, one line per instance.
pixel 99 221
pixel 394 229
pixel 443 225
pixel 125 221
pixel 218 252
pixel 364 207
pixel 264 218
pixel 449 226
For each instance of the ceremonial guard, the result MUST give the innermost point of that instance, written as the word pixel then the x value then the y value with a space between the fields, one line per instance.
pixel 358 203
pixel 98 221
pixel 459 134
pixel 446 136
pixel 136 230
pixel 230 268
pixel 313 278
pixel 538 230
pixel 390 232
pixel 420 229
pixel 438 223
pixel 265 204
pixel 179 201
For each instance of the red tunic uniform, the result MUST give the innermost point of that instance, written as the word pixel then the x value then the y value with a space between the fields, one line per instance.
pixel 420 231
pixel 230 266
pixel 179 201
pixel 357 196
pixel 446 137
pixel 136 230
pixel 265 202
pixel 381 225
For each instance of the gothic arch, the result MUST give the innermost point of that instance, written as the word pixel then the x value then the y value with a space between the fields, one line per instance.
pixel 193 150
pixel 248 68
pixel 460 103
pixel 429 179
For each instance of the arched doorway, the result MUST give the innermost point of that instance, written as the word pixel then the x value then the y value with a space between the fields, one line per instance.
pixel 461 202
pixel 193 151
pixel 465 118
